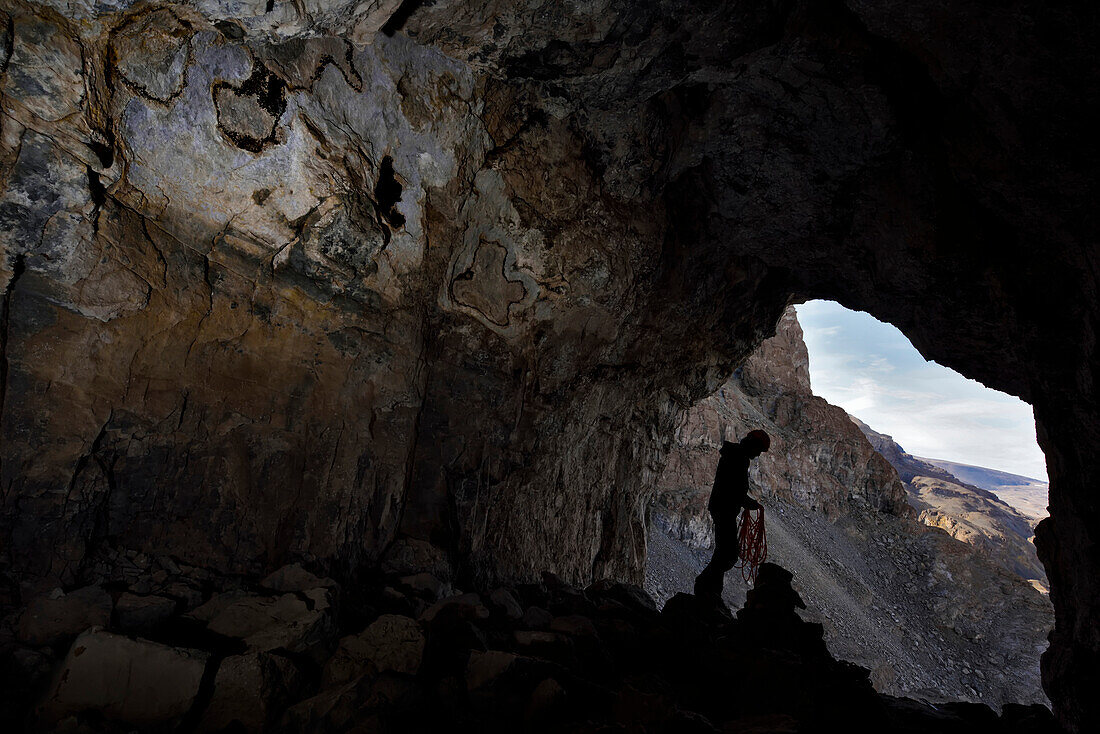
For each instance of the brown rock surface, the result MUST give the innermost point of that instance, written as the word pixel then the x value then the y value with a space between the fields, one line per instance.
pixel 55 616
pixel 285 622
pixel 139 613
pixel 132 681
pixel 251 690
pixel 390 644
pixel 276 286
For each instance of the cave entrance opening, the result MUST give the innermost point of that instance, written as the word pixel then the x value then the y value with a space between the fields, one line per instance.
pixel 874 372
pixel 928 578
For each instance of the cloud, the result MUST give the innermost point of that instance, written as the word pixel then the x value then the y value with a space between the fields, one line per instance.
pixel 860 404
pixel 880 363
pixel 871 370
pixel 822 333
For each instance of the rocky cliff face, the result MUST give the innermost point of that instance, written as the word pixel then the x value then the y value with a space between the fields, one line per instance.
pixel 816 459
pixel 429 286
pixel 930 615
pixel 969 513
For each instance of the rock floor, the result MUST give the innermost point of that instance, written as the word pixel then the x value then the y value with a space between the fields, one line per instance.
pixel 297 653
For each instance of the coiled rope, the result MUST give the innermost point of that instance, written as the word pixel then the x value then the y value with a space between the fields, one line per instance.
pixel 754 544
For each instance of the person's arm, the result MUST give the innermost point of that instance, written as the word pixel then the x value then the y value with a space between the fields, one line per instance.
pixel 750 503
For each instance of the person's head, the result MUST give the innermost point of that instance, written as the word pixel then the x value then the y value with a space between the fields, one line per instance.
pixel 756 442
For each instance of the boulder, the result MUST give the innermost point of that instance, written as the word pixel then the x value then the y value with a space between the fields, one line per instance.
pixel 537 618
pixel 250 690
pixel 394 601
pixel 266 623
pixel 688 612
pixel 499 684
pixel 549 645
pixel 216 604
pixel 135 613
pixel 427 586
pixel 505 601
pixel 772 595
pixel 1033 719
pixel 188 595
pixel 137 682
pixel 294 578
pixel 630 596
pixel 382 703
pixel 24 673
pixel 574 625
pixel 392 643
pixel 545 704
pixel 450 638
pixel 329 710
pixel 52 618
pixel 486 666
pixel 641 709
pixel 465 606
pixel 564 598
pixel 410 556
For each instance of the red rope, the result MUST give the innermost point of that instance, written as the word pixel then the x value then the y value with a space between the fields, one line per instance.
pixel 754 545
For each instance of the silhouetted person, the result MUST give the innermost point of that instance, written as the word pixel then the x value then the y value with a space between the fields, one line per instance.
pixel 728 496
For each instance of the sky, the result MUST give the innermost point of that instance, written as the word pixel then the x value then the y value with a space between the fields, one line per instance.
pixel 870 369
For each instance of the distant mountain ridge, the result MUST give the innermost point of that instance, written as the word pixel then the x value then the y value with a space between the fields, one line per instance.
pixel 969 512
pixel 1026 494
pixel 983 476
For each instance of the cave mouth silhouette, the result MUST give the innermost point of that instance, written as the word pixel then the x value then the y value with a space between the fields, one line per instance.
pixel 923 417
pixel 775 382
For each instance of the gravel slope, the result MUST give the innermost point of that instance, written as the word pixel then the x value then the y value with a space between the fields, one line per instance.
pixel 888 601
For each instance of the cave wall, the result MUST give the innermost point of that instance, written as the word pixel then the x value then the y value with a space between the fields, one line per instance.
pixel 273 296
pixel 283 286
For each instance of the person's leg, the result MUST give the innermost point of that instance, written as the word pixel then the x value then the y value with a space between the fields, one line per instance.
pixel 709 582
pixel 728 549
pixel 705 582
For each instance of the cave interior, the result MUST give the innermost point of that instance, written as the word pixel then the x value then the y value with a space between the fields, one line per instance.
pixel 409 288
